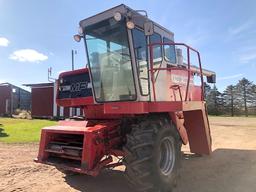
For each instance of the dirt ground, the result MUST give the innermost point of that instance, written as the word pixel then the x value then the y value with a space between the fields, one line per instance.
pixel 230 168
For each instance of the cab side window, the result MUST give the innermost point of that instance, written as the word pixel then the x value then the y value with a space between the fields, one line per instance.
pixel 169 51
pixel 157 49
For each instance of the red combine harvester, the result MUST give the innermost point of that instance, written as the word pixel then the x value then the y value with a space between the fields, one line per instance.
pixel 139 99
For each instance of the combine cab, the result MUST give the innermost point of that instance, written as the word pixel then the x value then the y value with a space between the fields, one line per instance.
pixel 140 101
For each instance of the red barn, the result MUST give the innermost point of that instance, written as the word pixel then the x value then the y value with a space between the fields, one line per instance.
pixel 43 103
pixel 12 98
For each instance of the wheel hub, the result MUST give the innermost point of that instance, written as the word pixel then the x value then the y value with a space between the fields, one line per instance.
pixel 167 156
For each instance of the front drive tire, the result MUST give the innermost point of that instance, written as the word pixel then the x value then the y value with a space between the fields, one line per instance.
pixel 153 154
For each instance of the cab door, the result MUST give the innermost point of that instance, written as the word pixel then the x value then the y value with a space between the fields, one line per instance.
pixel 141 59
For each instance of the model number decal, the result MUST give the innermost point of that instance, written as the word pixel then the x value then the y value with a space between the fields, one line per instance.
pixel 76 87
pixel 79 86
pixel 181 79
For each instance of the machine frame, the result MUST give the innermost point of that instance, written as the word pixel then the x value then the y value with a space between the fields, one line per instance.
pixel 103 134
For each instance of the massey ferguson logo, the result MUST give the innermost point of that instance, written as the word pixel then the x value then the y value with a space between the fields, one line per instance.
pixel 79 86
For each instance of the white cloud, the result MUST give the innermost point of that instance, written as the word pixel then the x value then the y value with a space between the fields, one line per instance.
pixel 4 42
pixel 231 77
pixel 247 54
pixel 247 57
pixel 240 29
pixel 28 55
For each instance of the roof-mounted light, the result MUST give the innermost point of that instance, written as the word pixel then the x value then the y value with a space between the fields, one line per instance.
pixel 130 25
pixel 117 16
pixel 77 38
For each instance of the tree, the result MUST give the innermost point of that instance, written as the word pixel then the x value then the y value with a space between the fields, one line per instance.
pixel 253 105
pixel 214 101
pixel 229 99
pixel 245 94
pixel 207 89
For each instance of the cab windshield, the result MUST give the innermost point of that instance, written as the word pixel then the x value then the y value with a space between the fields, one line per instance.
pixel 110 61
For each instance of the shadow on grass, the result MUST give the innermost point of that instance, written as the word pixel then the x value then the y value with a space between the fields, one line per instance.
pixel 226 170
pixel 2 133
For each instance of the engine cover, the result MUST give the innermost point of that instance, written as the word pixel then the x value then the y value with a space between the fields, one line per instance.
pixel 74 88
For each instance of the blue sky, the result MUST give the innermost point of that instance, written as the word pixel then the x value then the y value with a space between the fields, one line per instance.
pixel 36 35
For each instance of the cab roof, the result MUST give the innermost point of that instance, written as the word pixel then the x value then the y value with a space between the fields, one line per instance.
pixel 137 18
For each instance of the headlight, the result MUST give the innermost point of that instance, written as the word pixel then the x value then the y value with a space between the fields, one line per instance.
pixel 77 38
pixel 130 25
pixel 117 16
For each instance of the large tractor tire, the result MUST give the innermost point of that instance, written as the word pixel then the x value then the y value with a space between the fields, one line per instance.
pixel 153 155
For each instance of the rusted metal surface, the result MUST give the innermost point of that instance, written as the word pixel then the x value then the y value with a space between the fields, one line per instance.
pixel 198 131
pixel 178 119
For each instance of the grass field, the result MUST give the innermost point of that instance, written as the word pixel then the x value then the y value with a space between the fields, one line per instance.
pixel 21 130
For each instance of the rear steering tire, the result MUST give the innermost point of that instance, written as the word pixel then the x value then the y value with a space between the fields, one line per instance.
pixel 153 155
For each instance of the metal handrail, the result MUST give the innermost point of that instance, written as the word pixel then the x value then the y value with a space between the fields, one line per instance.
pixel 152 69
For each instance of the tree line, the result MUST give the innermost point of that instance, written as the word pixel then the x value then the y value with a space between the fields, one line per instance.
pixel 235 100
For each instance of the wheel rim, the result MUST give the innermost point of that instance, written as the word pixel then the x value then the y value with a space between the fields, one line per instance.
pixel 167 156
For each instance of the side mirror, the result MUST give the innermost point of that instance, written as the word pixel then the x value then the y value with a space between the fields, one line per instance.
pixel 211 79
pixel 148 28
pixel 77 38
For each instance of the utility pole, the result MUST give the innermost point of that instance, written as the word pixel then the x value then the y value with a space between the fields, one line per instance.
pixel 73 53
